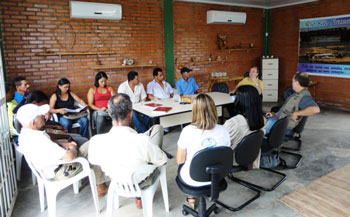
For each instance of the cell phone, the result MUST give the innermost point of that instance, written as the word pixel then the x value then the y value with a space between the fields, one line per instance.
pixel 184 103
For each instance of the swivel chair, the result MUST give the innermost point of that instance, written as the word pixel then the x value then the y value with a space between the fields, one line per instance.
pixel 246 153
pixel 295 136
pixel 211 164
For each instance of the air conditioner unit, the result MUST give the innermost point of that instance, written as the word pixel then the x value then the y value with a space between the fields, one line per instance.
pixel 225 17
pixel 90 10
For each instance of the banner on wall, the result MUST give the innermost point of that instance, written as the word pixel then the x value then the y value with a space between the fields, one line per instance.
pixel 324 46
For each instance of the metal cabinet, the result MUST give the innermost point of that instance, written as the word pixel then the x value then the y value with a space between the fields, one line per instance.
pixel 270 79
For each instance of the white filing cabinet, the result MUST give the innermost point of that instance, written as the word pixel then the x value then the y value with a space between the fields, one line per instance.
pixel 270 79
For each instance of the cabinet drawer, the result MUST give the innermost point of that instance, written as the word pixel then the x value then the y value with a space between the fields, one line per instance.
pixel 270 74
pixel 270 64
pixel 270 96
pixel 270 84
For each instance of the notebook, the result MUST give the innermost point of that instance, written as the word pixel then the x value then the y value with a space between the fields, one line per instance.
pixel 153 105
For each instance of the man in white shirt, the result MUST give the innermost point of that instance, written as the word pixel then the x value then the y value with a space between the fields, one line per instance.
pixel 122 145
pixel 158 88
pixel 37 146
pixel 135 90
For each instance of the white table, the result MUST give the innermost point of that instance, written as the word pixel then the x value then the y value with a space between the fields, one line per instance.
pixel 179 114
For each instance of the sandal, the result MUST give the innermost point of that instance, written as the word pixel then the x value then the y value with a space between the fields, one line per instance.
pixel 192 202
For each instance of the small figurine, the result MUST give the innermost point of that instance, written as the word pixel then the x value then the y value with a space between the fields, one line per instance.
pixel 210 55
pixel 222 43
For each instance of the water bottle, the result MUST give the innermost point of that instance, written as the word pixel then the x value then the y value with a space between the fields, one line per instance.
pixel 177 96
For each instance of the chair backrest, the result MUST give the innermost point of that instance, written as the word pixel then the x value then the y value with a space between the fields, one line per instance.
pixel 36 172
pixel 124 179
pixel 301 125
pixel 277 133
pixel 212 164
pixel 220 87
pixel 248 149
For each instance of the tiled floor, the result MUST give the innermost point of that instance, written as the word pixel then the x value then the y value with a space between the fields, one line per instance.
pixel 326 146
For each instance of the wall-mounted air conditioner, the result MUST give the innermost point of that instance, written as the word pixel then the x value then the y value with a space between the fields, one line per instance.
pixel 226 17
pixel 90 10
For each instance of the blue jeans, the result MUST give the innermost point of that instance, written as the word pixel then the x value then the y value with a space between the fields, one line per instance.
pixel 271 122
pixel 67 123
pixel 142 124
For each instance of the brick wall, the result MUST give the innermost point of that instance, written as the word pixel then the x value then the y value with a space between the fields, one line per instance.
pixel 194 38
pixel 30 27
pixel 284 44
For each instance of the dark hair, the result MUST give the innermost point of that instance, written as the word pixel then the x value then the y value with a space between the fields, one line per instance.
pixel 37 96
pixel 302 78
pixel 119 106
pixel 132 75
pixel 61 82
pixel 156 70
pixel 18 80
pixel 248 103
pixel 98 76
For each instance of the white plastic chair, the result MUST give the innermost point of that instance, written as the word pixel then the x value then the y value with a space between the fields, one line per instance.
pixel 76 125
pixel 52 188
pixel 127 186
pixel 19 157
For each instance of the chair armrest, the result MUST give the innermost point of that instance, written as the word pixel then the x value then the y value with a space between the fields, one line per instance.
pixel 85 164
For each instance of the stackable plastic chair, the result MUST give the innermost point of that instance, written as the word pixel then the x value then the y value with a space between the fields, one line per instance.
pixel 126 185
pixel 52 187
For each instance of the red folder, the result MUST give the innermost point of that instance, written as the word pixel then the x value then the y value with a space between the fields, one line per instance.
pixel 162 109
pixel 153 105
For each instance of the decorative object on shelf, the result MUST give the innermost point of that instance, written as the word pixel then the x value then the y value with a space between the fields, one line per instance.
pixel 193 60
pixel 130 62
pixel 210 57
pixel 239 46
pixel 150 62
pixel 218 58
pixel 251 45
pixel 125 61
pixel 222 43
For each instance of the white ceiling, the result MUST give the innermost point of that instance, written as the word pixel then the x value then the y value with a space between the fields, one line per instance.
pixel 267 4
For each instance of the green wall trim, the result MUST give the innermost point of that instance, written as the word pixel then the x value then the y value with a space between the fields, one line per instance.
pixel 168 41
pixel 266 33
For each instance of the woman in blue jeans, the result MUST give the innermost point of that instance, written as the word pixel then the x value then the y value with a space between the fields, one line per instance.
pixel 63 99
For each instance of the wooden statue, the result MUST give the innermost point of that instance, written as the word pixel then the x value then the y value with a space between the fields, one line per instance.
pixel 222 43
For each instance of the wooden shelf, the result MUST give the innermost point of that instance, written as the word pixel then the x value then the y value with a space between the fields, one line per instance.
pixel 206 62
pixel 121 66
pixel 74 53
pixel 238 49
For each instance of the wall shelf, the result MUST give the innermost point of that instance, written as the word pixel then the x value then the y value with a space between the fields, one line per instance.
pixel 121 66
pixel 238 49
pixel 74 53
pixel 207 62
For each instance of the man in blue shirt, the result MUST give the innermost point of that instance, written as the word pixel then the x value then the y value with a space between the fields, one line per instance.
pixel 22 88
pixel 186 85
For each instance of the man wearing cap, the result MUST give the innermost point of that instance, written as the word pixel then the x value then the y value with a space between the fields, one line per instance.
pixel 186 85
pixel 36 145
pixel 158 88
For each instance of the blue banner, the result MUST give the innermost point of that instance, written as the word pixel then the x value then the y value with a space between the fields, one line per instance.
pixel 325 69
pixel 327 23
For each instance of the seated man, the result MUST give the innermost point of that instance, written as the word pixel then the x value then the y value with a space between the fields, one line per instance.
pixel 134 89
pixel 186 85
pixel 123 146
pixel 37 146
pixel 158 88
pixel 297 105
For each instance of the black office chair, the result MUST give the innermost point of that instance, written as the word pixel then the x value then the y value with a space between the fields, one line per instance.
pixel 295 136
pixel 210 164
pixel 270 144
pixel 246 153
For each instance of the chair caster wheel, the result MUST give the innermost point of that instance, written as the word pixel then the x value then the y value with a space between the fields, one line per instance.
pixel 216 210
pixel 184 212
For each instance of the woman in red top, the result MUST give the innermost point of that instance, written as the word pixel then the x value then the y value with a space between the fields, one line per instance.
pixel 98 97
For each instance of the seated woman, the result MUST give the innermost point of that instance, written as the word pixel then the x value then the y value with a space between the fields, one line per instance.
pixel 63 99
pixel 249 116
pixel 253 80
pixel 203 132
pixel 98 97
